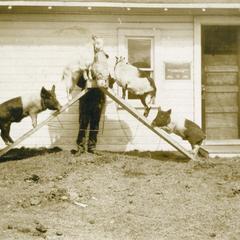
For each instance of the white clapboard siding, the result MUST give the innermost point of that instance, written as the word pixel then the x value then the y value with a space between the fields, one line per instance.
pixel 35 48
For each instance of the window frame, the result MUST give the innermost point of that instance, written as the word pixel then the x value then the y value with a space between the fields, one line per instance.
pixel 151 69
pixel 143 33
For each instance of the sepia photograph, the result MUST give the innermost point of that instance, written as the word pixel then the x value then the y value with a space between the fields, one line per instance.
pixel 120 120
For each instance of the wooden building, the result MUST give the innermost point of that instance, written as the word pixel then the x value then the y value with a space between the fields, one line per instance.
pixel 190 48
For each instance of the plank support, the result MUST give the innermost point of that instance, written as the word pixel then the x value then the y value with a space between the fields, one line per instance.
pixel 161 133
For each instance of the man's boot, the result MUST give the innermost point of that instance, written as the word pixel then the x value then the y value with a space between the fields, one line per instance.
pixel 91 146
pixel 80 150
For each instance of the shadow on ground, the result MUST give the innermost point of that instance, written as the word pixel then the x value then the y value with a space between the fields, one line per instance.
pixel 23 153
pixel 159 155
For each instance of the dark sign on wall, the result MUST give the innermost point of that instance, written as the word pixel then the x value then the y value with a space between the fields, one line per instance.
pixel 177 71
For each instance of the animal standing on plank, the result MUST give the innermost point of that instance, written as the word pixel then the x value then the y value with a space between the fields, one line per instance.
pixel 131 78
pixel 15 109
pixel 182 127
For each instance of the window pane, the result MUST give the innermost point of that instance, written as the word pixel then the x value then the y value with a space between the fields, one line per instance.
pixel 139 52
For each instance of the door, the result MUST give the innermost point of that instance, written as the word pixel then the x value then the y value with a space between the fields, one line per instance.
pixel 220 82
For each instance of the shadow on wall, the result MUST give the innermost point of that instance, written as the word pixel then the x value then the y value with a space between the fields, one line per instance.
pixel 114 133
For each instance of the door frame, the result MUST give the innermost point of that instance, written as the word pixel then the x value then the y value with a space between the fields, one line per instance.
pixel 197 64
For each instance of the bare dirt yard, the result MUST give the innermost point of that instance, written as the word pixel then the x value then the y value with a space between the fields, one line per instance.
pixel 55 195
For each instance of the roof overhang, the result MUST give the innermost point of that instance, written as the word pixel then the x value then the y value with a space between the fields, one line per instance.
pixel 120 4
pixel 119 7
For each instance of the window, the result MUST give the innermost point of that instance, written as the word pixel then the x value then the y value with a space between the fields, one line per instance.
pixel 139 48
pixel 139 54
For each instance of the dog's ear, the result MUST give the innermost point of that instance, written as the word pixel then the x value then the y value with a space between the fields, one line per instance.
pixel 53 89
pixel 44 92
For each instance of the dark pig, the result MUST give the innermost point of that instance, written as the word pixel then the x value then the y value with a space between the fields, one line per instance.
pixel 185 128
pixel 15 109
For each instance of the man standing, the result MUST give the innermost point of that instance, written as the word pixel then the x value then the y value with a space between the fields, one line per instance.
pixel 92 103
pixel 90 109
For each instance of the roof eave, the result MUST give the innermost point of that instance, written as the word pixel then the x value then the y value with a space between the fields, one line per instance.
pixel 121 5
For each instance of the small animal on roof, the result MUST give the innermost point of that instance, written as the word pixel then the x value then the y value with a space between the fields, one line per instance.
pixel 15 109
pixel 185 128
pixel 133 79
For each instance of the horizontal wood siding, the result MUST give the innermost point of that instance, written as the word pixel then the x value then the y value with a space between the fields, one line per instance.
pixel 34 51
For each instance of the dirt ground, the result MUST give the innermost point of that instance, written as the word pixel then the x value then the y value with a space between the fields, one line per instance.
pixel 55 195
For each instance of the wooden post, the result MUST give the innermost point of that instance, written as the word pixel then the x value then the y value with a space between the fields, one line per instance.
pixel 161 133
pixel 43 123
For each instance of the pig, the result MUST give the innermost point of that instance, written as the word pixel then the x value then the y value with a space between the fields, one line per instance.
pixel 185 128
pixel 15 109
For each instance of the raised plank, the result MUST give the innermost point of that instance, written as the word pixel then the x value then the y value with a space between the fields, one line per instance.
pixel 219 120
pixel 222 133
pixel 224 68
pixel 221 102
pixel 219 79
pixel 220 59
pixel 222 89
pixel 222 109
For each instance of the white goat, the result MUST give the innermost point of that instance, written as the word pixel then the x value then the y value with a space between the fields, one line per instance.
pixel 71 75
pixel 130 78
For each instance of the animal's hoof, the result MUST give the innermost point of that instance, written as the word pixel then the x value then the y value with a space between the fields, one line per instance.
pixel 146 112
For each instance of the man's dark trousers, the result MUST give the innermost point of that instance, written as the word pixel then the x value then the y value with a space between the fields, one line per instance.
pixel 90 109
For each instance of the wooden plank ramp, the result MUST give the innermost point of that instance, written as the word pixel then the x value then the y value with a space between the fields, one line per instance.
pixel 43 123
pixel 161 133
